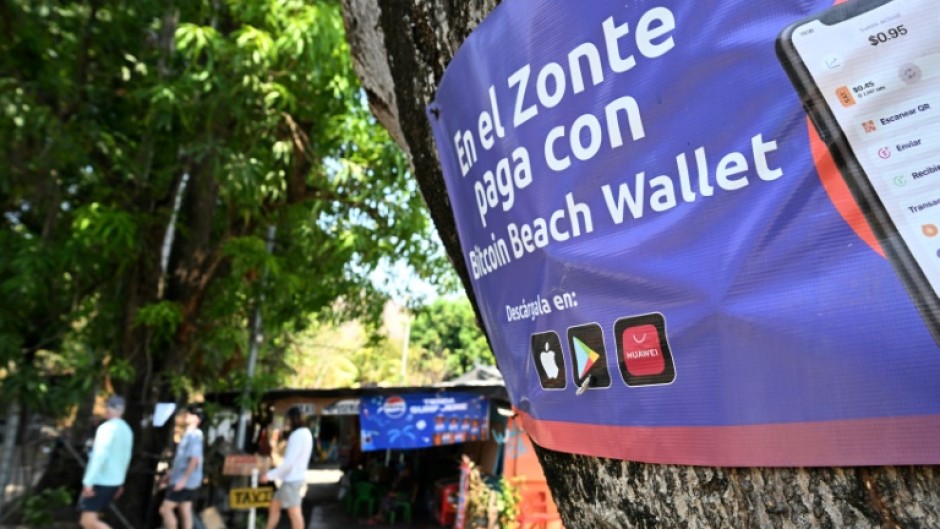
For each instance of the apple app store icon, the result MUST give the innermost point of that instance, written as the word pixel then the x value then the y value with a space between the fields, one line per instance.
pixel 549 360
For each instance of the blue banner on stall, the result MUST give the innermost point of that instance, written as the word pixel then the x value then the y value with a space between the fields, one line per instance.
pixel 419 420
pixel 668 263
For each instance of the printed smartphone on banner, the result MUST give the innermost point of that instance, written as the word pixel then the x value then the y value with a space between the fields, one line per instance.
pixel 868 72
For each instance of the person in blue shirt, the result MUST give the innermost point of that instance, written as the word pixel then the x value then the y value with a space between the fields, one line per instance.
pixel 185 475
pixel 107 467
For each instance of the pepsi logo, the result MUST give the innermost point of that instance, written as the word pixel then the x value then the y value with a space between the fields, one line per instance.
pixel 394 407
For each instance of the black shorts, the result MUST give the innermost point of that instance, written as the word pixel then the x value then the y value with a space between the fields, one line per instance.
pixel 180 496
pixel 98 502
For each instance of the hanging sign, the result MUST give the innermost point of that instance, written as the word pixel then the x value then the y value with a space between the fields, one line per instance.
pixel 417 420
pixel 341 407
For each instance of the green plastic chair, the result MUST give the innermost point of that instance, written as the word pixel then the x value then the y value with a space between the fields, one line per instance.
pixel 363 495
pixel 403 503
pixel 357 476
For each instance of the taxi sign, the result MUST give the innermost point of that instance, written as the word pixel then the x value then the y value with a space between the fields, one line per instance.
pixel 249 498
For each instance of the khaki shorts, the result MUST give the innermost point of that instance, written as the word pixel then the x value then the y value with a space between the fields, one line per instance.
pixel 289 494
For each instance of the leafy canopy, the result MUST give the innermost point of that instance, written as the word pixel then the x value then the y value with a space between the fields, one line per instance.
pixel 145 148
pixel 447 328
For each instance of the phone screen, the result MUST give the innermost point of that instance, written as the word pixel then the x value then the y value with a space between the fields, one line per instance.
pixel 879 74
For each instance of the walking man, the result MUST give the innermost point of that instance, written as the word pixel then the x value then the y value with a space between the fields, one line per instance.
pixel 185 475
pixel 292 472
pixel 107 467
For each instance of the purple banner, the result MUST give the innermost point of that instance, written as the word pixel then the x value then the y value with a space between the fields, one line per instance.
pixel 663 248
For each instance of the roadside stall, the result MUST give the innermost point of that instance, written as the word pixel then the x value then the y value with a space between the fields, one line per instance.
pixel 373 434
pixel 428 431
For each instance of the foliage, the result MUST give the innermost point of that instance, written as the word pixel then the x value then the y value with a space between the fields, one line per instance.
pixel 146 148
pixel 425 367
pixel 447 328
pixel 164 317
pixel 491 504
pixel 508 500
pixel 38 508
pixel 327 356
pixel 353 354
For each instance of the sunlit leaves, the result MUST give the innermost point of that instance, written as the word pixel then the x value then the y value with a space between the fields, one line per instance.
pixel 448 329
pixel 255 46
pixel 193 40
pixel 163 318
pixel 120 369
pixel 105 229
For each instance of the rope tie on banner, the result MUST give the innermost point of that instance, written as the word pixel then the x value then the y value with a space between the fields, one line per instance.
pixel 584 385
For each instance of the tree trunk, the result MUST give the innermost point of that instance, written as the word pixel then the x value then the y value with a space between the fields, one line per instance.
pixel 7 450
pixel 400 50
pixel 156 361
pixel 153 361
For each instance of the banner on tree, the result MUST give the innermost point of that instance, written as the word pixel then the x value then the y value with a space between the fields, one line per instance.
pixel 672 264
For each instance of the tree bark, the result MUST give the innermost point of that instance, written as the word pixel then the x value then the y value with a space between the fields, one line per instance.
pixel 155 361
pixel 7 450
pixel 400 50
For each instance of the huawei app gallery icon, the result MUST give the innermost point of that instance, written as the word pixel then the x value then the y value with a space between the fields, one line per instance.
pixel 549 360
pixel 643 351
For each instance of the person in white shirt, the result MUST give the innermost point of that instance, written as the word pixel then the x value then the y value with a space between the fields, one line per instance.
pixel 107 468
pixel 292 473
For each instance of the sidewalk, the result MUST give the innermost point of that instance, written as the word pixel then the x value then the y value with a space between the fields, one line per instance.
pixel 321 508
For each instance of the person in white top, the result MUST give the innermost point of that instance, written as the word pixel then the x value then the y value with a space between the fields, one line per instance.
pixel 292 473
pixel 107 468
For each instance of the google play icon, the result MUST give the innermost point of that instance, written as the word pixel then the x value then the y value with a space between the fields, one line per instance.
pixel 586 357
pixel 589 356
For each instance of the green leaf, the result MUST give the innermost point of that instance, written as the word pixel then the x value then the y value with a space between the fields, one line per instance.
pixel 163 317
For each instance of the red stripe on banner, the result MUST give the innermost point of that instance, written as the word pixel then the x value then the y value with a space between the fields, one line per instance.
pixel 859 442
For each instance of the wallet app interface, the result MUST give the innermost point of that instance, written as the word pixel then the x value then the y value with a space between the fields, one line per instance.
pixel 879 73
